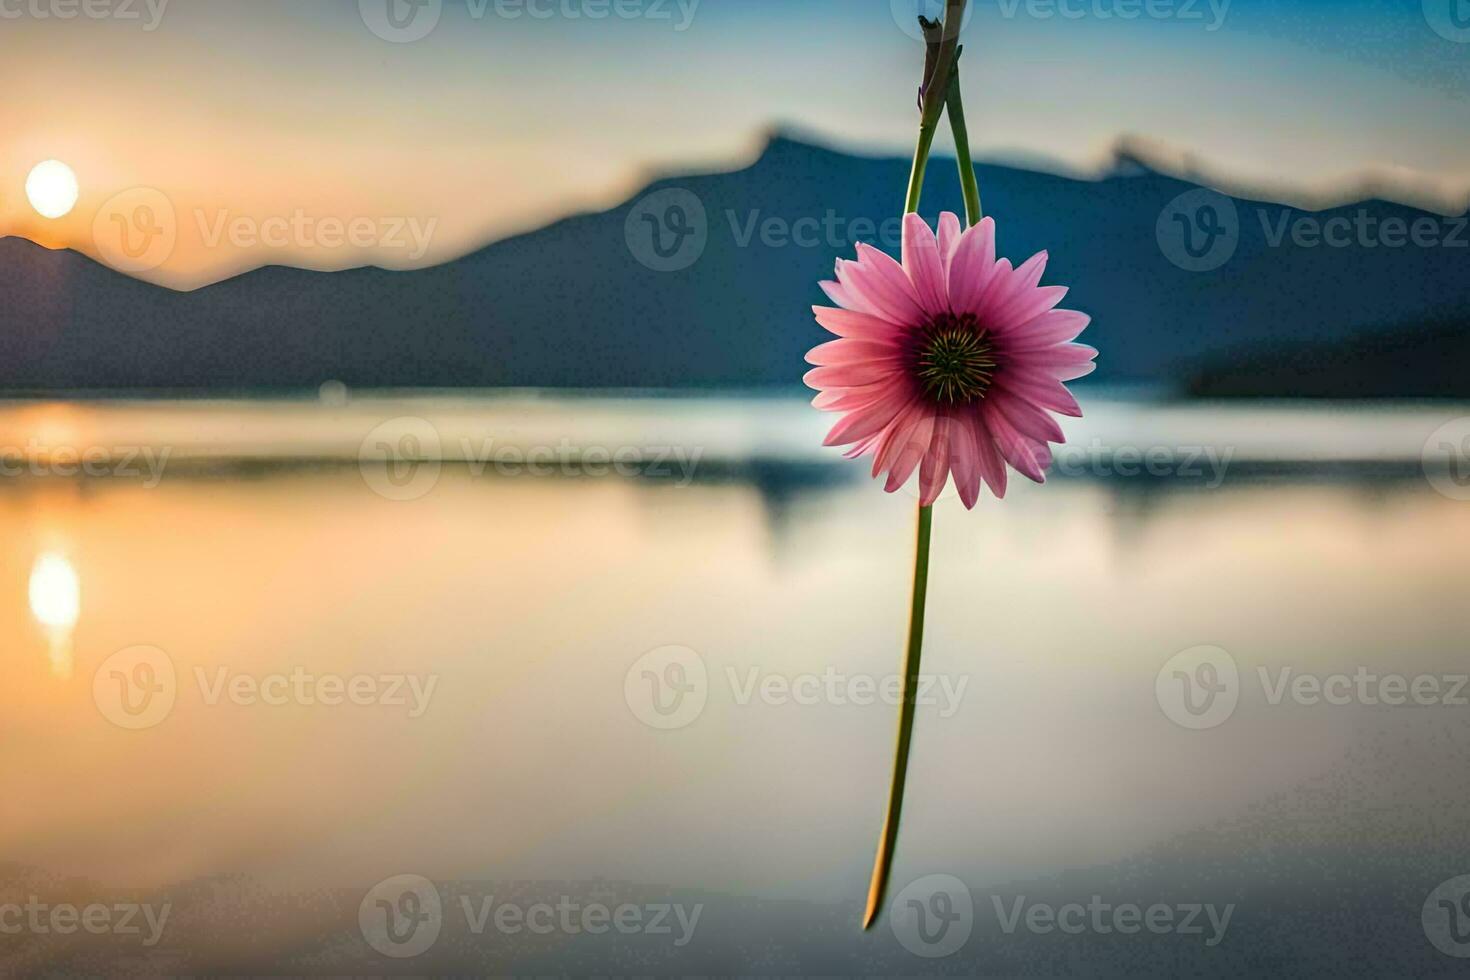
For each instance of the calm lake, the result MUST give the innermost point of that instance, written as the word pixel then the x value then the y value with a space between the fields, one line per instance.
pixel 413 684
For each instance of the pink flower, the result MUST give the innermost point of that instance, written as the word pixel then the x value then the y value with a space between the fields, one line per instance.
pixel 950 362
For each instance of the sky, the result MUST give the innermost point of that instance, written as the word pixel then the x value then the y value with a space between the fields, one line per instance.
pixel 327 134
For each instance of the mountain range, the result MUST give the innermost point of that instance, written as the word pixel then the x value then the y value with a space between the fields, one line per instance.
pixel 706 280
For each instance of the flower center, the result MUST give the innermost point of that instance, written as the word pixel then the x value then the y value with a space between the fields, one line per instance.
pixel 954 359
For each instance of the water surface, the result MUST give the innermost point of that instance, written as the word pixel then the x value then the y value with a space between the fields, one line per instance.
pixel 519 644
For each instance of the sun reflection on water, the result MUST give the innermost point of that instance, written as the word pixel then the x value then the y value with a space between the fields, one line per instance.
pixel 56 602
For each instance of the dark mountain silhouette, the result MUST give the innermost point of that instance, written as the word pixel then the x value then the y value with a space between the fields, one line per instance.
pixel 571 305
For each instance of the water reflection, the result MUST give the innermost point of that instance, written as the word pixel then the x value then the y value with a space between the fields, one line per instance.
pixel 56 602
pixel 530 601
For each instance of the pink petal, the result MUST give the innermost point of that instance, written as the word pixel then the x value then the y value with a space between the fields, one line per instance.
pixel 911 451
pixel 849 323
pixel 992 467
pixel 879 280
pixel 1007 286
pixel 964 461
pixel 1019 451
pixel 1025 417
pixel 831 400
pixel 934 470
pixel 1041 388
pixel 862 447
pixel 849 375
pixel 849 399
pixel 972 266
pixel 846 350
pixel 949 238
pixel 1029 273
pixel 1073 373
pixel 845 297
pixel 1031 303
pixel 1061 355
pixel 895 436
pixel 998 285
pixel 1050 328
pixel 867 422
pixel 921 262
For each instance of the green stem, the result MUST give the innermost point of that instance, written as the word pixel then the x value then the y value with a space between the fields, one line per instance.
pixel 971 189
pixel 883 864
pixel 921 162
pixel 913 654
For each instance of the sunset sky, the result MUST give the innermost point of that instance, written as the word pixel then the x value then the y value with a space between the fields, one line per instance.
pixel 511 112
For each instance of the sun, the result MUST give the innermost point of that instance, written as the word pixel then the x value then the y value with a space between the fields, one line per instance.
pixel 52 189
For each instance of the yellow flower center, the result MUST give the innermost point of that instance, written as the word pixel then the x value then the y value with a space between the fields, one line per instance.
pixel 955 359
